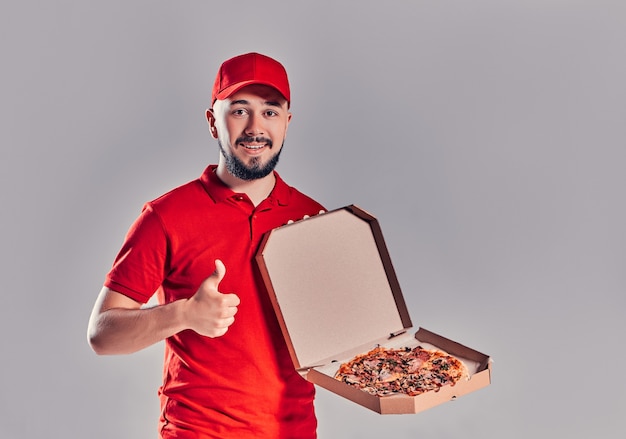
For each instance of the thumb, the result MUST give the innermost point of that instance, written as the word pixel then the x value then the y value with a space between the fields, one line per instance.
pixel 220 271
pixel 216 277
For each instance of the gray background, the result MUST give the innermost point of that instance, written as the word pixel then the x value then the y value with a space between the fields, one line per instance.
pixel 487 136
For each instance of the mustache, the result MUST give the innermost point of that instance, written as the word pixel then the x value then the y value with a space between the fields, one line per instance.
pixel 248 139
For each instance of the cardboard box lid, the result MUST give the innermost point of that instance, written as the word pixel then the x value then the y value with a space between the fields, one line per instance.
pixel 332 285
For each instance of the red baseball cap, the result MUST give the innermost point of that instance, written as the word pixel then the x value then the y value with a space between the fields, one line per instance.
pixel 247 69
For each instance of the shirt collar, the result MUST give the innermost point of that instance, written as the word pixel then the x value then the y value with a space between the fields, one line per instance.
pixel 219 192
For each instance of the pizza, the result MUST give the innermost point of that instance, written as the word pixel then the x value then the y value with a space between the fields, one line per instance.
pixel 412 371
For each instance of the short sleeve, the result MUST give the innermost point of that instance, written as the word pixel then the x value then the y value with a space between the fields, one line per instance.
pixel 140 266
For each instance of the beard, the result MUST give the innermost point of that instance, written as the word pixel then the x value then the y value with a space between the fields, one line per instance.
pixel 254 171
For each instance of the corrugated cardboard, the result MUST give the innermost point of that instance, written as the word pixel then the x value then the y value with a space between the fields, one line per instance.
pixel 336 295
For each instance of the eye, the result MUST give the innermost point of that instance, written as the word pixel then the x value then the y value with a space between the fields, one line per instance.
pixel 238 112
pixel 271 113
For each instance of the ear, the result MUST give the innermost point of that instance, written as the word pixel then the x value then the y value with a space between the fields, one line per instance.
pixel 210 117
pixel 287 125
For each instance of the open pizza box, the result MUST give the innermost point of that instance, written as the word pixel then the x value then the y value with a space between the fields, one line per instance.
pixel 336 295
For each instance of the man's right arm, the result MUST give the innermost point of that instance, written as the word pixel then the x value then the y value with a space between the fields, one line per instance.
pixel 119 325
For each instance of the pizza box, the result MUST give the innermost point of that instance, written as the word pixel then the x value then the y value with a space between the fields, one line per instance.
pixel 336 295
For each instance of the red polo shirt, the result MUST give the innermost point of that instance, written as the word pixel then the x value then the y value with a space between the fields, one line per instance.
pixel 243 384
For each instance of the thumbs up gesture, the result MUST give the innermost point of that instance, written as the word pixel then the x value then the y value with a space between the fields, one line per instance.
pixel 210 312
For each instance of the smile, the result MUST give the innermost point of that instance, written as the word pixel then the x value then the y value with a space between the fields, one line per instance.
pixel 254 143
pixel 253 147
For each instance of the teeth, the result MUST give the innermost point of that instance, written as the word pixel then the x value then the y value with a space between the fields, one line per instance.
pixel 253 146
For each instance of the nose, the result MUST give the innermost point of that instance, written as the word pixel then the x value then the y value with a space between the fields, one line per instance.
pixel 255 125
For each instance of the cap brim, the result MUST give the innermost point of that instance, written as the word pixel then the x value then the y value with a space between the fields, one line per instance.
pixel 229 91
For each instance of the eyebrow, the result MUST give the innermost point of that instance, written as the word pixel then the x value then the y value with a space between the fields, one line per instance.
pixel 245 102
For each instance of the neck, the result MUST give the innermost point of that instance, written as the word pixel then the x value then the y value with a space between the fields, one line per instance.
pixel 257 190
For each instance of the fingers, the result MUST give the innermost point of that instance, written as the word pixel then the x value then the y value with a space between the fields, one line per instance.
pixel 220 327
pixel 220 315
pixel 306 216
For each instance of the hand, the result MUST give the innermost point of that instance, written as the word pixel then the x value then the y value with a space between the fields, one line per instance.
pixel 208 311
